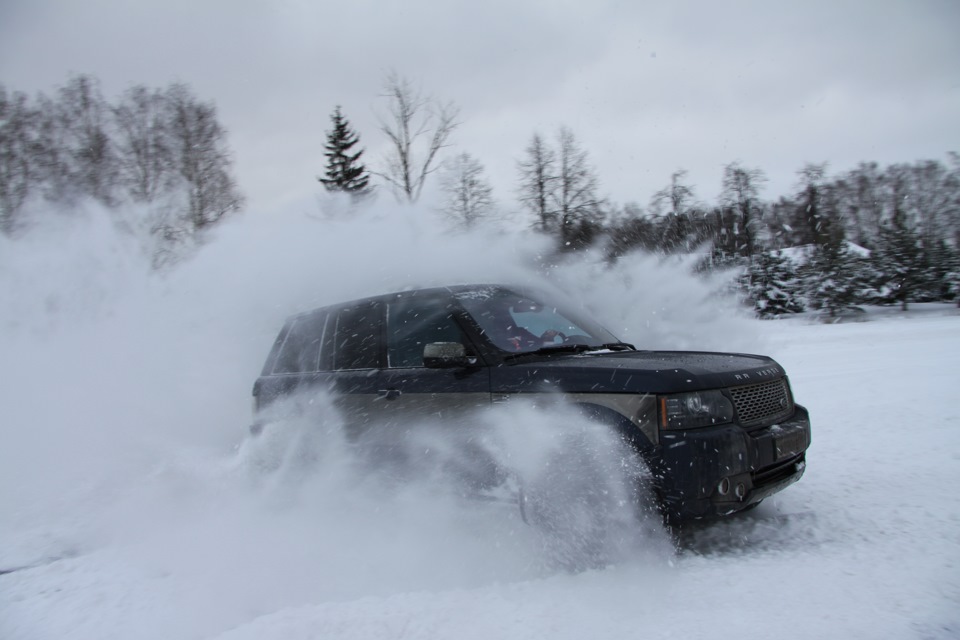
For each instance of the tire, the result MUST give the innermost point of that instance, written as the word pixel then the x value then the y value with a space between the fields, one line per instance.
pixel 584 508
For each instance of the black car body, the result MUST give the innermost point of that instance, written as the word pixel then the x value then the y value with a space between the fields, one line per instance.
pixel 719 431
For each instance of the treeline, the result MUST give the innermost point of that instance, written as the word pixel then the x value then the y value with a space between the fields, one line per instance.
pixel 871 235
pixel 157 158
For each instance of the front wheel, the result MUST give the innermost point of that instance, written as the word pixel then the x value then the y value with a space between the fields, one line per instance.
pixel 586 502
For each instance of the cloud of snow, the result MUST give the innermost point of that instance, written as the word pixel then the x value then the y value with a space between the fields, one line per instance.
pixel 127 406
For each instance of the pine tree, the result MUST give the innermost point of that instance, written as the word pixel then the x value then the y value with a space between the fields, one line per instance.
pixel 773 285
pixel 344 171
pixel 951 283
pixel 834 278
pixel 899 261
pixel 950 280
pixel 941 266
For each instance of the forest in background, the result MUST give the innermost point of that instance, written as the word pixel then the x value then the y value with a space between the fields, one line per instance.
pixel 159 160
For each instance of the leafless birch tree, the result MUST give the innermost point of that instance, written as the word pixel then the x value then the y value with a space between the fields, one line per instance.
pixel 468 194
pixel 80 158
pixel 673 203
pixel 203 159
pixel 537 177
pixel 559 187
pixel 741 195
pixel 18 148
pixel 146 163
pixel 418 127
pixel 575 194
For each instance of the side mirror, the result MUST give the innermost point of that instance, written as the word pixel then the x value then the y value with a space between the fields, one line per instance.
pixel 445 355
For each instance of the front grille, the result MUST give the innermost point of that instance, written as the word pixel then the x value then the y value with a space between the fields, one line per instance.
pixel 762 404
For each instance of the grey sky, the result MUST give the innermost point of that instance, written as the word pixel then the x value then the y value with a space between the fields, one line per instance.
pixel 647 87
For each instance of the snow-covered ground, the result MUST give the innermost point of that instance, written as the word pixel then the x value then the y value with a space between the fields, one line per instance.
pixel 133 507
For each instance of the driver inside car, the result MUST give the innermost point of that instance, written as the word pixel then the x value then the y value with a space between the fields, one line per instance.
pixel 510 336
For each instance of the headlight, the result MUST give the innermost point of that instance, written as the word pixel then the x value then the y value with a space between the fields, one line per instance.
pixel 696 409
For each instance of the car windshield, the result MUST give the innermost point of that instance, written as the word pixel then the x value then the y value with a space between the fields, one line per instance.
pixel 520 323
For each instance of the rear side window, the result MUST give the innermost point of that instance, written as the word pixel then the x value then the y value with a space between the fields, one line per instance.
pixel 358 331
pixel 411 324
pixel 300 351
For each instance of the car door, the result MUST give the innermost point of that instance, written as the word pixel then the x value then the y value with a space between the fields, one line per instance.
pixel 352 352
pixel 410 393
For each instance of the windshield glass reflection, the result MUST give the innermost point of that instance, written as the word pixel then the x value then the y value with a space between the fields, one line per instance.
pixel 521 323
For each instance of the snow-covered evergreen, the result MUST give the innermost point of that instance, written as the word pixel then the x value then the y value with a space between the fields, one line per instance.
pixel 773 285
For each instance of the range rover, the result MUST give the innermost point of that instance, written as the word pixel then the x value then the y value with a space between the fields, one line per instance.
pixel 719 431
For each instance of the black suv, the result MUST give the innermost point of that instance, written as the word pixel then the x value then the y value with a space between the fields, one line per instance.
pixel 719 431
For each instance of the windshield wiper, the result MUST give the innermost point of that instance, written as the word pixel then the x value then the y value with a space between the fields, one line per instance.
pixel 571 348
pixel 576 347
pixel 619 346
pixel 551 349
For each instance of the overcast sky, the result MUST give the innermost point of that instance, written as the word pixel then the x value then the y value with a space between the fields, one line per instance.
pixel 647 87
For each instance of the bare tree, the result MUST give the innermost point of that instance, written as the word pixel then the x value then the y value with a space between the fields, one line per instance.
pixel 559 187
pixel 537 178
pixel 741 195
pixel 575 195
pixel 673 205
pixel 145 158
pixel 632 229
pixel 418 128
pixel 199 144
pixel 18 147
pixel 676 198
pixel 80 155
pixel 815 217
pixel 469 196
pixel 162 148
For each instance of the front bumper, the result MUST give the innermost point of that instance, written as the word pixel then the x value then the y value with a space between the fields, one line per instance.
pixel 716 471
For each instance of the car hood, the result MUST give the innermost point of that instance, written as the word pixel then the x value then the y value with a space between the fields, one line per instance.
pixel 635 372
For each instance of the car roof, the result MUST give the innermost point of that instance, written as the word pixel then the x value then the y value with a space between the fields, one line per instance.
pixel 440 291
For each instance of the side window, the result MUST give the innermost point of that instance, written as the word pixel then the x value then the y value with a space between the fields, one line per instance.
pixel 411 324
pixel 358 337
pixel 300 351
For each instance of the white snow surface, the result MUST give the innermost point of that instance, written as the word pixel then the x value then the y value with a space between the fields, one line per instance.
pixel 134 506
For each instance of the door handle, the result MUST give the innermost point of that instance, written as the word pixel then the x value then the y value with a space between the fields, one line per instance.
pixel 389 394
